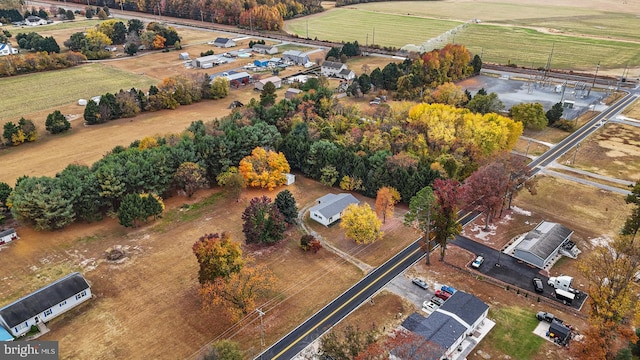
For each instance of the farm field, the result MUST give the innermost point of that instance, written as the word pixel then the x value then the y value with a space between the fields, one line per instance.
pixel 45 90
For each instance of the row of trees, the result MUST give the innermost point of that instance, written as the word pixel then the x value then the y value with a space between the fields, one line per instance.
pixel 347 50
pixel 24 131
pixel 35 42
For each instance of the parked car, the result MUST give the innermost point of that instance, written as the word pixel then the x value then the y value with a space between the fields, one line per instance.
pixel 477 262
pixel 437 300
pixel 420 283
pixel 443 294
pixel 448 289
pixel 538 285
pixel 545 316
pixel 429 306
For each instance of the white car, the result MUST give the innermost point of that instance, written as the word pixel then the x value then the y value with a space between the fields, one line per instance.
pixel 477 262
pixel 429 307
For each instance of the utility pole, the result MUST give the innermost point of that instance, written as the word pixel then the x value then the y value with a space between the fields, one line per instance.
pixel 593 83
pixel 261 313
pixel 576 153
pixel 373 39
pixel 546 68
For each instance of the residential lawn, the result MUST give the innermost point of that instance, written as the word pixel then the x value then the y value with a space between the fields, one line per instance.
pixel 513 333
pixel 33 92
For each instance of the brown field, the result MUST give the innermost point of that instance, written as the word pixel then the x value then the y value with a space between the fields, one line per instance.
pixel 530 147
pixel 633 111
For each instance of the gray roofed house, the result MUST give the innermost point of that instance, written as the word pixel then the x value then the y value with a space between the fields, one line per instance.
pixel 346 74
pixel 265 49
pixel 296 57
pixel 44 304
pixel 330 207
pixel 7 236
pixel 224 42
pixel 541 245
pixel 448 326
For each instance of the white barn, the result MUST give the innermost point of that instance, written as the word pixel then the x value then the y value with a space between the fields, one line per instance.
pixel 541 245
pixel 330 207
pixel 7 236
pixel 44 304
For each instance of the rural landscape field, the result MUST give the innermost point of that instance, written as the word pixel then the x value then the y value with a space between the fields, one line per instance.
pixel 150 304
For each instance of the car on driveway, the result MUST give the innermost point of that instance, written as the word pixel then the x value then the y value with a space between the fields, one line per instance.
pixel 477 262
pixel 537 284
pixel 420 283
pixel 437 301
pixel 443 294
pixel 449 289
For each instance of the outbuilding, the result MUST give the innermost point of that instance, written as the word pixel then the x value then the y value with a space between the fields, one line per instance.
pixel 183 56
pixel 7 236
pixel 559 333
pixel 44 304
pixel 34 21
pixel 224 42
pixel 291 93
pixel 541 245
pixel 329 208
pixel 205 61
pixel 296 57
pixel 276 81
pixel 265 49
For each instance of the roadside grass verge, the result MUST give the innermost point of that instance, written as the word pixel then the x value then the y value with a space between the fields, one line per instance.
pixel 40 91
pixel 513 333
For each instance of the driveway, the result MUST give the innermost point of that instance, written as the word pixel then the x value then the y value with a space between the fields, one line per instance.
pixel 508 269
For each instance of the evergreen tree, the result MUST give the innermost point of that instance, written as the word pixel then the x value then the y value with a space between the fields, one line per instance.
pixel 286 204
pixel 56 123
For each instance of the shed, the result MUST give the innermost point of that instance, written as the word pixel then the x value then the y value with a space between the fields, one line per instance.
pixel 7 49
pixel 290 178
pixel 44 304
pixel 261 63
pixel 291 93
pixel 8 235
pixel 542 244
pixel 329 208
pixel 183 56
pixel 560 333
pixel 276 81
pixel 224 42
pixel 204 60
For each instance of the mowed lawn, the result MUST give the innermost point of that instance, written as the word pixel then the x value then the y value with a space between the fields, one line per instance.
pixel 343 24
pixel 29 93
pixel 513 334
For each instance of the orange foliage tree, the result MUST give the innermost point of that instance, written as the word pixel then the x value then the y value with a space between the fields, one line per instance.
pixel 265 169
pixel 386 201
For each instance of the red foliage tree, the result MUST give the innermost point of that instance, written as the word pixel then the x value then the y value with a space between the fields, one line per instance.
pixel 485 189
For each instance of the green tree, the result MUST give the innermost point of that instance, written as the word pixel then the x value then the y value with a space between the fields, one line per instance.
pixel 476 63
pixel 219 88
pixel 119 33
pixel 5 191
pixel 421 208
pixel 484 104
pixel 632 224
pixel 224 350
pixel 555 113
pixel 286 204
pixel 130 212
pixel 56 123
pixel 135 26
pixel 131 49
pixel 190 177
pixel 89 13
pixel 80 184
pixel 263 223
pixel 233 181
pixel 329 175
pixel 92 113
pixel 76 42
pixel 69 15
pixel 42 203
pixel 445 220
pixel 10 129
pixel 531 115
pixel 268 94
pixel 29 129
pixel 218 256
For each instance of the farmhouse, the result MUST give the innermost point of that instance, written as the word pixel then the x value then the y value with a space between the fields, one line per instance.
pixel 330 207
pixel 541 245
pixel 346 74
pixel 459 318
pixel 224 42
pixel 331 68
pixel 44 304
pixel 7 236
pixel 265 49
pixel 34 21
pixel 296 57
pixel 259 85
pixel 7 49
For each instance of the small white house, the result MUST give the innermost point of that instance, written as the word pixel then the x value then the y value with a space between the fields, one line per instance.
pixel 331 68
pixel 8 236
pixel 44 304
pixel 259 85
pixel 7 49
pixel 330 207
pixel 224 42
pixel 292 92
pixel 183 56
pixel 34 21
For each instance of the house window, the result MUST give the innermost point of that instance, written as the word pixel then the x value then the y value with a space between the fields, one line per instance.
pixel 63 303
pixel 48 312
pixel 81 295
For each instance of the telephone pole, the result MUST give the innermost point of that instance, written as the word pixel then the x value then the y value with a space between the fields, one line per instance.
pixel 593 83
pixel 261 313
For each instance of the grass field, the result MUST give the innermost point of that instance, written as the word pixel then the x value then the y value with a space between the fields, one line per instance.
pixel 513 332
pixel 54 88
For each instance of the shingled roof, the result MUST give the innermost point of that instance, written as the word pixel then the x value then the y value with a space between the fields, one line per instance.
pixel 438 328
pixel 332 204
pixel 466 306
pixel 43 299
pixel 332 65
pixel 544 239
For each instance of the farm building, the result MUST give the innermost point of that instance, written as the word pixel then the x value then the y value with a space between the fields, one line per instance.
pixel 261 63
pixel 460 317
pixel 34 21
pixel 205 61
pixel 224 42
pixel 259 85
pixel 291 93
pixel 265 49
pixel 183 56
pixel 296 57
pixel 330 207
pixel 331 68
pixel 542 244
pixel 7 49
pixel 7 236
pixel 238 78
pixel 44 304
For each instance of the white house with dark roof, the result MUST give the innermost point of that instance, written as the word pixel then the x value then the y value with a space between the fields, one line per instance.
pixel 346 74
pixel 224 42
pixel 541 245
pixel 329 208
pixel 296 57
pixel 44 304
pixel 451 324
pixel 331 68
pixel 7 236
pixel 34 21
pixel 7 49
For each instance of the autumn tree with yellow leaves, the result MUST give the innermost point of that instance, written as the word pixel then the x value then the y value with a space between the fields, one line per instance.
pixel 265 169
pixel 386 201
pixel 361 224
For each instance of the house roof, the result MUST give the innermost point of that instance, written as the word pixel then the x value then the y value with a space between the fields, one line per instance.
pixel 294 90
pixel 465 306
pixel 237 75
pixel 10 230
pixel 221 40
pixel 33 18
pixel 559 330
pixel 544 239
pixel 438 328
pixel 42 299
pixel 332 65
pixel 333 204
pixel 272 79
pixel 345 72
pixel 292 53
pixel 262 46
